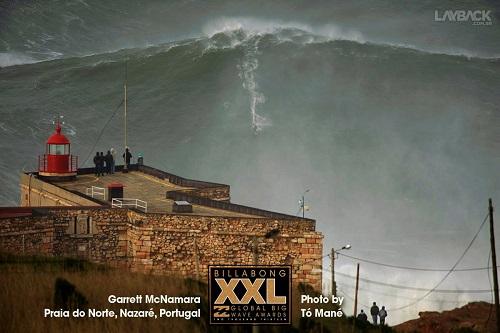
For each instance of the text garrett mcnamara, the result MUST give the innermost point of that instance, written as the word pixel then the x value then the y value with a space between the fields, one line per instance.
pixel 154 299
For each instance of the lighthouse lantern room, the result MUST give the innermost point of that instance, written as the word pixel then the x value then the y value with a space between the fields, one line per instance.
pixel 57 161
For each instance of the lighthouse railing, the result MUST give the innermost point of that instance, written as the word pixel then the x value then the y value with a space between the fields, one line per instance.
pixel 43 164
pixel 73 163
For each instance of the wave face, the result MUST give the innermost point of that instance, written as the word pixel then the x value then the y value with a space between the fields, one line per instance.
pixel 399 146
pixel 35 31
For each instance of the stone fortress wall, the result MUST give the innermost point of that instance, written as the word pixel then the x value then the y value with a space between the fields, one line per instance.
pixel 164 243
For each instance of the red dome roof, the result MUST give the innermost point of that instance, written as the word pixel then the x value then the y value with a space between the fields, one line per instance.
pixel 57 138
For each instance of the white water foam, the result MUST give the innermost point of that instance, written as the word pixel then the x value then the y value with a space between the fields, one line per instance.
pixel 251 25
pixel 327 32
pixel 252 30
pixel 13 58
pixel 258 26
pixel 247 70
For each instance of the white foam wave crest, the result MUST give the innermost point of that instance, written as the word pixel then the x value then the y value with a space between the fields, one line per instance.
pixel 255 26
pixel 251 25
pixel 248 27
pixel 14 58
pixel 247 70
pixel 321 34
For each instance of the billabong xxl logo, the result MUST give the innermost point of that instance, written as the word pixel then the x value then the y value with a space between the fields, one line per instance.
pixel 250 294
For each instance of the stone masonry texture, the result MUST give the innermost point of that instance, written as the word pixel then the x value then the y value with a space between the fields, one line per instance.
pixel 166 244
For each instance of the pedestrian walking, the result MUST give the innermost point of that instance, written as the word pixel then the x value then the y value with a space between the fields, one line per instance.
pixel 382 314
pixel 374 311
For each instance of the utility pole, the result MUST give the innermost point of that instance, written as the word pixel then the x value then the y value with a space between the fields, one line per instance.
pixel 356 299
pixel 334 284
pixel 303 203
pixel 494 268
pixel 303 207
pixel 125 167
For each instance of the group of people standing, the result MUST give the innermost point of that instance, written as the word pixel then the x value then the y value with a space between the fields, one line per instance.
pixel 376 314
pixel 106 163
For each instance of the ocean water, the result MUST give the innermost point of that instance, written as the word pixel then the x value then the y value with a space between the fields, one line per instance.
pixel 395 130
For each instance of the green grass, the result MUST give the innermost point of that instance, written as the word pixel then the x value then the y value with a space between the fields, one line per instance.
pixel 27 287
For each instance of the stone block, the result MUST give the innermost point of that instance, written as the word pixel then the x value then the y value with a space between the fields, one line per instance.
pixel 141 255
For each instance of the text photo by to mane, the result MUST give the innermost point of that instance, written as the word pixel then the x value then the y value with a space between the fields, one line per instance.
pixel 360 140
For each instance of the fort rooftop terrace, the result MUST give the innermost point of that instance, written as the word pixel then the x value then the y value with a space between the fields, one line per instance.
pixel 159 189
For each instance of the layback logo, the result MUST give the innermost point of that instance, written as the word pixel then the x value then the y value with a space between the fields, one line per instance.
pixel 250 294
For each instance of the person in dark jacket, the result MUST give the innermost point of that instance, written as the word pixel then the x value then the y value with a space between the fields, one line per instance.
pixel 374 312
pixel 101 163
pixel 127 156
pixel 108 159
pixel 96 163
pixel 362 316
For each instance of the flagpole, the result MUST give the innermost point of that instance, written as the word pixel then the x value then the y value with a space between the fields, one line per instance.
pixel 125 167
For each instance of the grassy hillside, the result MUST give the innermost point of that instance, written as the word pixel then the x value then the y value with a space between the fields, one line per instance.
pixel 27 286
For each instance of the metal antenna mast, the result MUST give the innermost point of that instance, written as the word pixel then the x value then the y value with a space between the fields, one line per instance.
pixel 125 167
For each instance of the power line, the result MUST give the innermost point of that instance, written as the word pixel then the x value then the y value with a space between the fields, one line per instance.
pixel 103 128
pixel 102 131
pixel 352 299
pixel 399 296
pixel 396 286
pixel 449 272
pixel 413 268
pixel 491 287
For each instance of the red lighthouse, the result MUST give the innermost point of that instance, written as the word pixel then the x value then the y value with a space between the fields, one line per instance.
pixel 57 160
